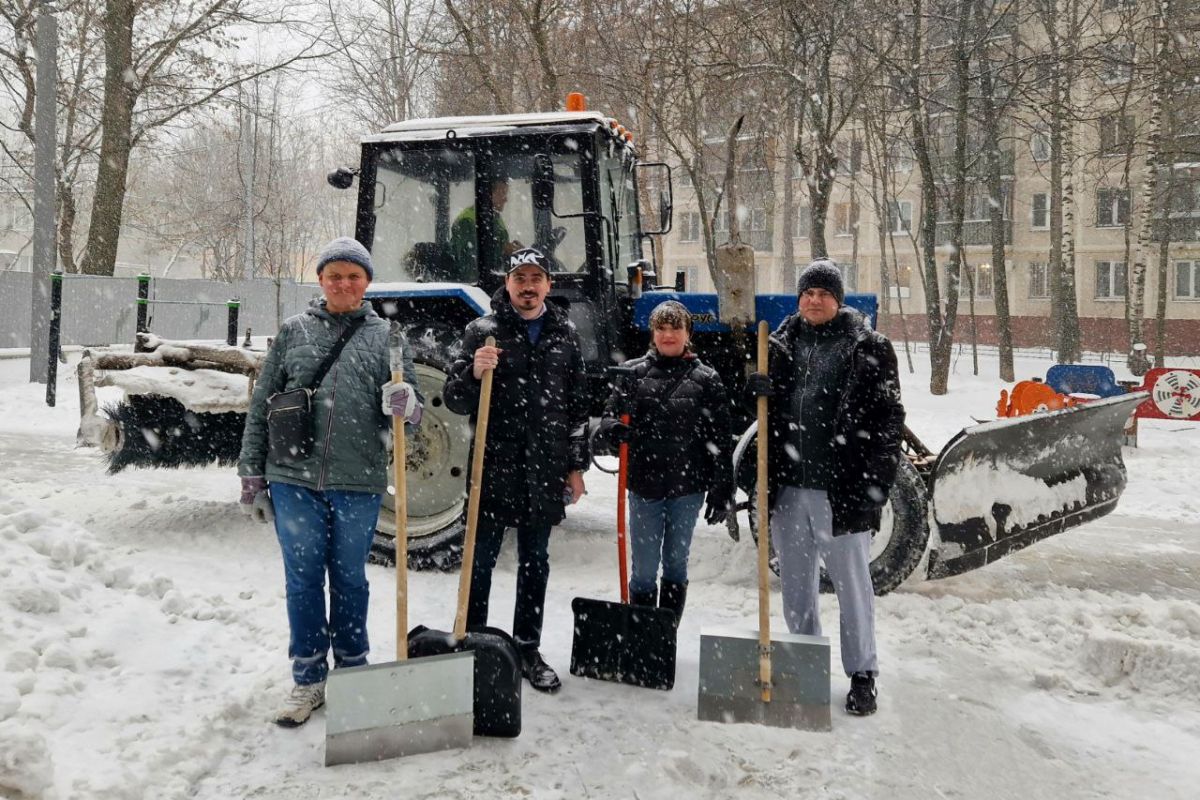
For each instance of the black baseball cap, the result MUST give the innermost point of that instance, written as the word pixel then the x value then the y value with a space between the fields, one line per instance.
pixel 528 257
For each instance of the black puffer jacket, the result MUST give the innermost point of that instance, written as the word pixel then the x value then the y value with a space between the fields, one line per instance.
pixel 856 456
pixel 537 429
pixel 681 442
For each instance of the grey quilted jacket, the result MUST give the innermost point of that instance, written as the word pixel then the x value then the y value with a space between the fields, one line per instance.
pixel 353 435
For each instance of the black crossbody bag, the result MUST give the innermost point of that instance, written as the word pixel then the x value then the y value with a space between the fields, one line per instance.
pixel 291 428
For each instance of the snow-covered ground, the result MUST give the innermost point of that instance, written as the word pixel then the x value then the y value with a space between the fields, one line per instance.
pixel 143 638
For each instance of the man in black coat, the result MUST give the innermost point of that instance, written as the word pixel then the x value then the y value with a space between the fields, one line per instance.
pixel 835 427
pixel 536 450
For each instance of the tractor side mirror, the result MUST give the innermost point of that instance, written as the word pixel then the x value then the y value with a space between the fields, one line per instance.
pixel 658 175
pixel 341 178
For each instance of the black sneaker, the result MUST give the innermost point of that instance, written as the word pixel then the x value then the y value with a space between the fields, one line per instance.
pixel 861 699
pixel 540 675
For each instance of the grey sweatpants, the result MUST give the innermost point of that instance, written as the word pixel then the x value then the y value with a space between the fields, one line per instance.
pixel 802 532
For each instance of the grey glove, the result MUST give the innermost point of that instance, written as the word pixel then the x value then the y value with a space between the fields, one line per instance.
pixel 255 501
pixel 400 400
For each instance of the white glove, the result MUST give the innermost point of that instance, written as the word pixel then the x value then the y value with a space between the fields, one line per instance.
pixel 400 400
pixel 260 509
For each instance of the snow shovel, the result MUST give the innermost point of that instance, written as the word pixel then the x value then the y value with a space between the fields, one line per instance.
pixel 405 707
pixel 497 695
pixel 752 676
pixel 617 641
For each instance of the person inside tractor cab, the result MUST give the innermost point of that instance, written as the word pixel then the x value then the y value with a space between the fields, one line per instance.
pixel 464 237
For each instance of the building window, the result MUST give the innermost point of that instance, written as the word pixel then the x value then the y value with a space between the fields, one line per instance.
pixel 758 219
pixel 1187 280
pixel 1040 211
pixel 720 222
pixel 803 222
pixel 16 217
pixel 899 217
pixel 1116 62
pixel 849 156
pixel 900 157
pixel 982 276
pixel 1039 285
pixel 979 203
pixel 843 219
pixel 1039 146
pixel 689 226
pixel 1112 207
pixel 900 281
pixel 1116 134
pixel 1110 280
pixel 690 277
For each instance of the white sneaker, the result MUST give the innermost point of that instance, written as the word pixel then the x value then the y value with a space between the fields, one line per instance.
pixel 300 704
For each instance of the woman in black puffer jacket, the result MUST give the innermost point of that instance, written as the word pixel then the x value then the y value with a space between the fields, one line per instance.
pixel 679 449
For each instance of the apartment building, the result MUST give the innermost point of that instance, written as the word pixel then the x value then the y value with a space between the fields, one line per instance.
pixel 862 223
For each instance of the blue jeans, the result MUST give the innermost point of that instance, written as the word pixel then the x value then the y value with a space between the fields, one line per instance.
pixel 318 532
pixel 661 529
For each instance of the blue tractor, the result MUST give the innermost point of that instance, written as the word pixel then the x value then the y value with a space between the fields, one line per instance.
pixel 442 201
pixel 440 204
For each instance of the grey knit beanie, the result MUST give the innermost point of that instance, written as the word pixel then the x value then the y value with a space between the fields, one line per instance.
pixel 346 249
pixel 822 274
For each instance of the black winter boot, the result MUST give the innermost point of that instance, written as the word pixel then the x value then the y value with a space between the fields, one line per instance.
pixel 540 675
pixel 861 700
pixel 673 596
pixel 649 598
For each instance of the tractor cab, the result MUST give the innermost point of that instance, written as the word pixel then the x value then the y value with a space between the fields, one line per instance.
pixel 443 202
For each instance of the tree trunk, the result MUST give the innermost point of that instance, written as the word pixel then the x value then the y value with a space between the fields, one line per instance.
pixel 67 213
pixel 939 342
pixel 1137 362
pixel 788 250
pixel 1068 301
pixel 1164 267
pixel 940 378
pixel 116 119
pixel 991 124
pixel 1068 334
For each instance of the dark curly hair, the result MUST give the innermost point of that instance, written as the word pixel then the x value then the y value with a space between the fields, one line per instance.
pixel 671 313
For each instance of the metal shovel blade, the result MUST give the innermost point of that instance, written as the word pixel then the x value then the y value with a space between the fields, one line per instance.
pixel 729 687
pixel 401 708
pixel 623 643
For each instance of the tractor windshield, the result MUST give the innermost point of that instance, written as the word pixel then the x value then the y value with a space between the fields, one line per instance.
pixel 454 210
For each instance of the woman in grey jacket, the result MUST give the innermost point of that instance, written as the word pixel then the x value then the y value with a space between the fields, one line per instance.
pixel 325 505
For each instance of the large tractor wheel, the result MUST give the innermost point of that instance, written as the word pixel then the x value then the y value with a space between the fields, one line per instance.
pixel 899 544
pixel 437 466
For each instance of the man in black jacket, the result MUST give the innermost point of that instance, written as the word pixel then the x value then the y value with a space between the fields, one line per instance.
pixel 536 449
pixel 835 426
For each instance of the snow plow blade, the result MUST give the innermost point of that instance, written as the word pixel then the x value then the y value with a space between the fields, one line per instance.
pixel 1000 486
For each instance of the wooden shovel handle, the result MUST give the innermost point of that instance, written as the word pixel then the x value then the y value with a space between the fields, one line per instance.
pixel 764 533
pixel 399 453
pixel 480 443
